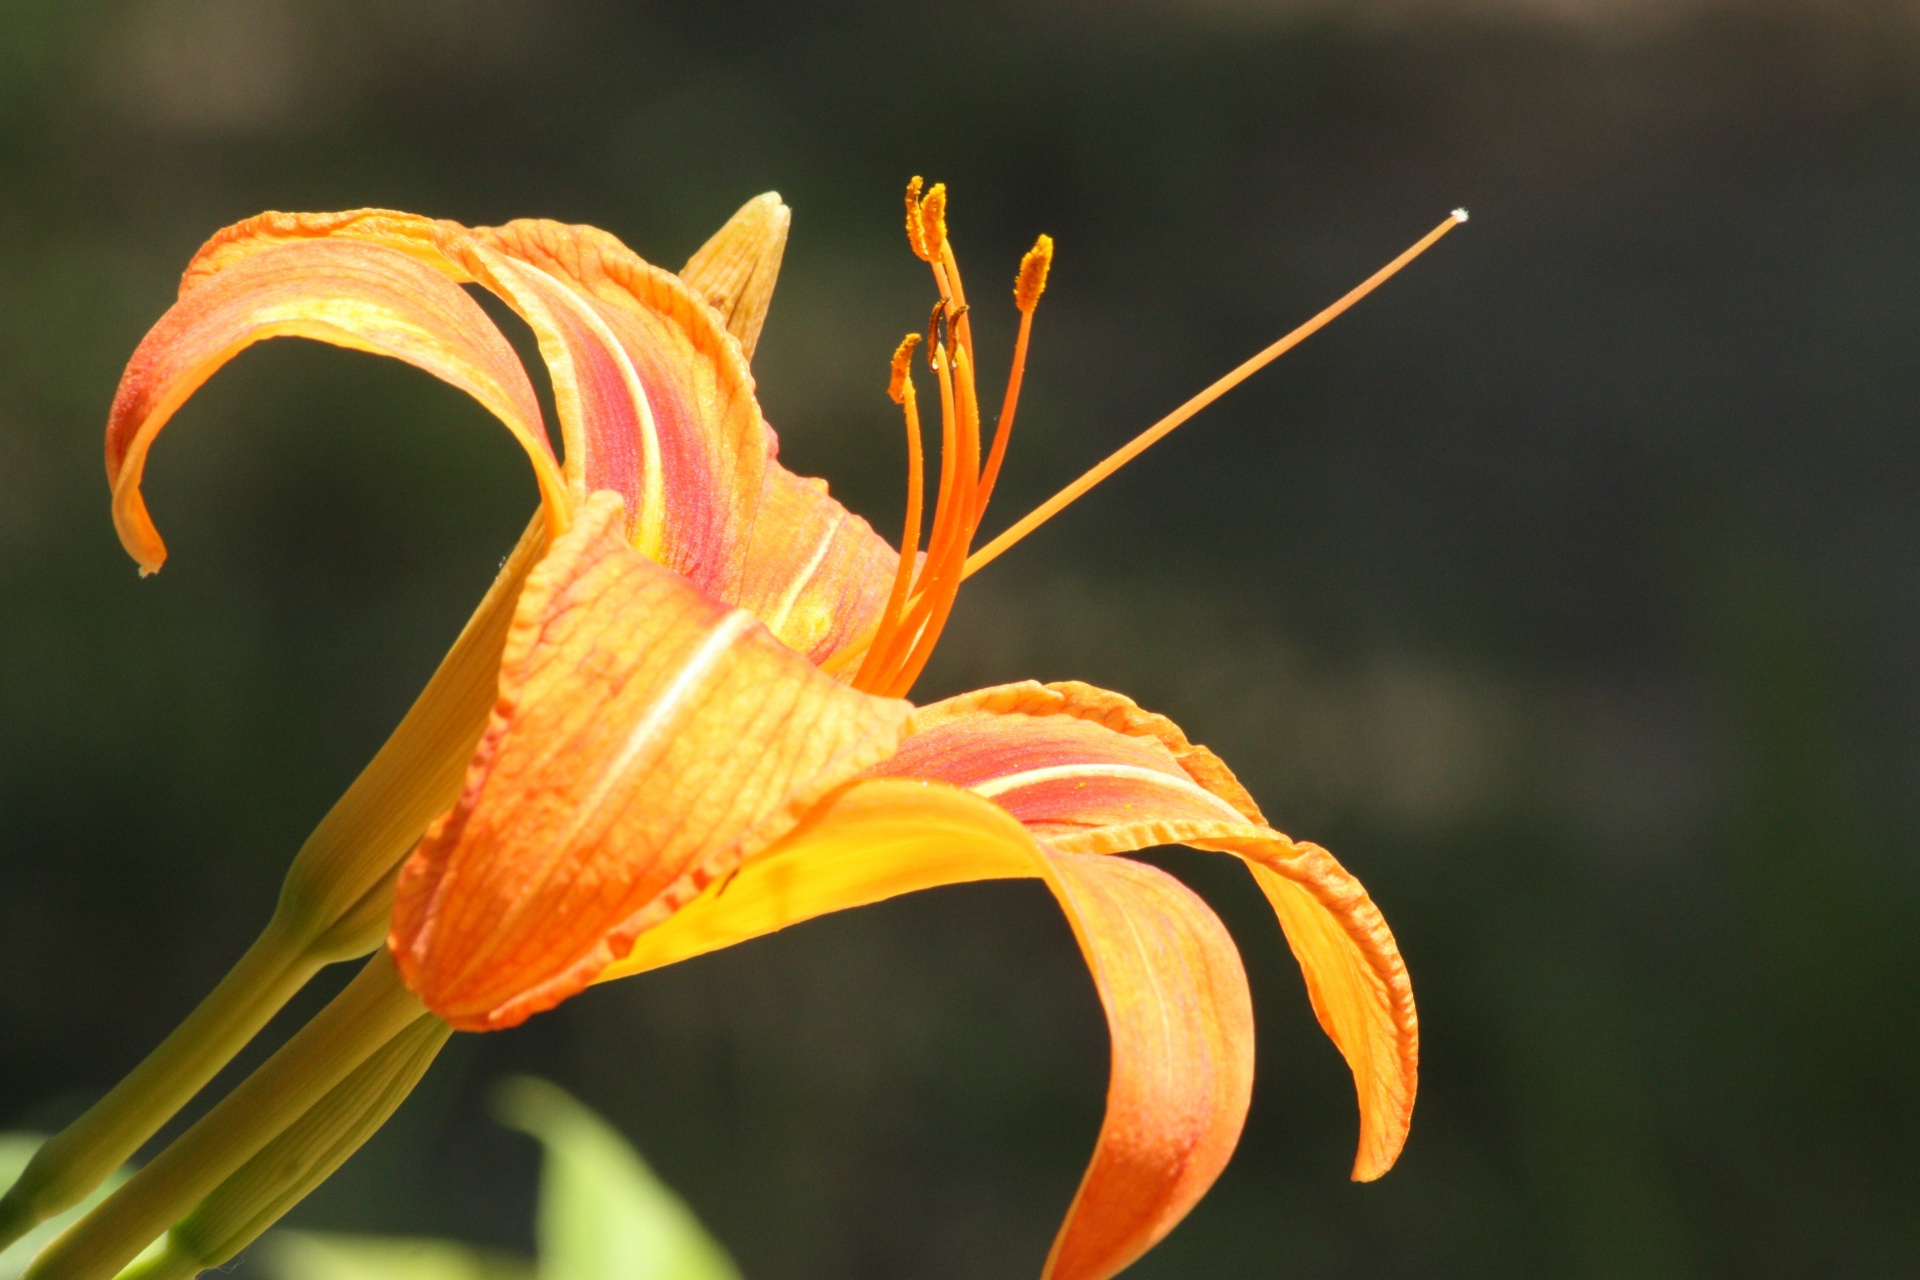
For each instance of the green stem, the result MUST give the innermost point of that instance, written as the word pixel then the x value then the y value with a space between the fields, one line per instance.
pixel 303 1156
pixel 373 1009
pixel 333 906
pixel 78 1159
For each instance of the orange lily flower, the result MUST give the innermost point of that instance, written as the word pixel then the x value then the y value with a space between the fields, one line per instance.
pixel 699 734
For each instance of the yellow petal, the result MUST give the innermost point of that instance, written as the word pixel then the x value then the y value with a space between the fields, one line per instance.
pixel 869 841
pixel 1355 978
pixel 1182 1028
pixel 1090 772
pixel 1168 976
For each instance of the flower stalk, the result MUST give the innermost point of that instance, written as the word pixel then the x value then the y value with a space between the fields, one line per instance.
pixel 373 1009
pixel 333 906
pixel 303 1156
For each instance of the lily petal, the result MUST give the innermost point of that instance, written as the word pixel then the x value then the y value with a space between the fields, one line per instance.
pixel 606 417
pixel 654 396
pixel 367 296
pixel 1090 772
pixel 870 840
pixel 1182 1027
pixel 817 574
pixel 739 525
pixel 646 739
pixel 1168 975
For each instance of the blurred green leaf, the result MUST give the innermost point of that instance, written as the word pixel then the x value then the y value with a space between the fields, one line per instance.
pixel 300 1255
pixel 603 1213
pixel 603 1216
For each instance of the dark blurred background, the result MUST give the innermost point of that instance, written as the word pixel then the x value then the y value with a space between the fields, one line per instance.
pixel 1569 589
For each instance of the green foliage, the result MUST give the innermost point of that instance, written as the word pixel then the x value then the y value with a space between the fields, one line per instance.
pixel 301 1255
pixel 603 1216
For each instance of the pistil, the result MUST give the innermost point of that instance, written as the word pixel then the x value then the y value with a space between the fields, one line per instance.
pixel 1159 430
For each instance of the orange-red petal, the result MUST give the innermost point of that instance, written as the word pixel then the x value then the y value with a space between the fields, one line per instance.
pixel 1182 1027
pixel 654 397
pixel 1090 772
pixel 1168 975
pixel 693 445
pixel 645 740
pixel 368 296
pixel 737 523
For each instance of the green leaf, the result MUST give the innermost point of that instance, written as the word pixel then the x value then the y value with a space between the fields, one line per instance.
pixel 603 1216
pixel 603 1213
pixel 303 1255
pixel 15 1150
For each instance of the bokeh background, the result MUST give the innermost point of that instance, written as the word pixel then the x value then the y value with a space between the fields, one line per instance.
pixel 1569 589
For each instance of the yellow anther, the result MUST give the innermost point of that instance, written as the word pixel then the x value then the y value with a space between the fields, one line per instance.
pixel 933 221
pixel 1032 280
pixel 915 239
pixel 902 357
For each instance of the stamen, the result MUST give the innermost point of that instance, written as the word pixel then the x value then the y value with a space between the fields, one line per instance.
pixel 938 595
pixel 1032 280
pixel 1146 439
pixel 899 384
pixel 1027 288
pixel 903 631
pixel 900 389
pixel 899 644
pixel 936 333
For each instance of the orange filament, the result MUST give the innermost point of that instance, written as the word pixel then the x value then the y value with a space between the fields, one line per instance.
pixel 899 644
pixel 888 642
pixel 900 390
pixel 937 597
pixel 952 533
pixel 1027 288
